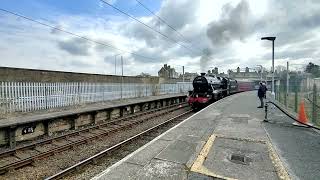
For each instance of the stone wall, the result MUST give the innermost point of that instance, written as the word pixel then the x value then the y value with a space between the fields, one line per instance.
pixel 34 75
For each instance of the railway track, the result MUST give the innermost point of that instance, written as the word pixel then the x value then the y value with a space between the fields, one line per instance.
pixel 26 155
pixel 94 158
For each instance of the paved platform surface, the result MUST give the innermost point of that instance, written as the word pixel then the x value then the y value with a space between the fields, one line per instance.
pixel 226 140
pixel 43 115
pixel 298 147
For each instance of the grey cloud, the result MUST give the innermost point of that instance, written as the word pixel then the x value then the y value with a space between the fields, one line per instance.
pixel 204 60
pixel 178 13
pixel 307 22
pixel 293 53
pixel 79 63
pixel 290 21
pixel 55 30
pixel 75 46
pixel 103 48
pixel 110 59
pixel 155 53
pixel 294 24
pixel 140 32
pixel 234 24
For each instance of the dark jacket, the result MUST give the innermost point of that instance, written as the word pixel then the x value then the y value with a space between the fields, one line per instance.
pixel 262 91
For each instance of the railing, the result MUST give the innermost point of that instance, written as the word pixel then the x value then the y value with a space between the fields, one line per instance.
pixel 33 96
pixel 300 91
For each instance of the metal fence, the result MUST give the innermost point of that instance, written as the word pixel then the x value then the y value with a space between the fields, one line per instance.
pixel 300 90
pixel 32 96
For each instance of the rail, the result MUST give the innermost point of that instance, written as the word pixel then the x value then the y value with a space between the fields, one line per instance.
pixel 29 160
pixel 102 153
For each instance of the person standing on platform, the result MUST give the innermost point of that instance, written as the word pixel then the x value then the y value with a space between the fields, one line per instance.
pixel 261 94
pixel 265 89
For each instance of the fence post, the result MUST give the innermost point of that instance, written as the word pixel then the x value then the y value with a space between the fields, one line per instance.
pixel 296 98
pixel 279 93
pixel 46 94
pixel 286 96
pixel 275 93
pixel 314 104
pixel 78 99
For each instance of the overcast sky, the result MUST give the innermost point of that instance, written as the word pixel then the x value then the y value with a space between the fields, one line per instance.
pixel 222 33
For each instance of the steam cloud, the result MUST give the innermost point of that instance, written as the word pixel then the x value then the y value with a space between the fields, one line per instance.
pixel 234 24
pixel 204 60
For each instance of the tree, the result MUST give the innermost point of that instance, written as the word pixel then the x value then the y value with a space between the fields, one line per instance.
pixel 313 69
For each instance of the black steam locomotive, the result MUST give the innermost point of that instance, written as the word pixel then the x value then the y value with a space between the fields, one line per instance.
pixel 208 88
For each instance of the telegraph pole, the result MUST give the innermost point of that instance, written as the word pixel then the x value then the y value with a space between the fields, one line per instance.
pixel 121 75
pixel 115 65
pixel 182 73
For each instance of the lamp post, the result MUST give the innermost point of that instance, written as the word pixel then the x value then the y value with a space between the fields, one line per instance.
pixel 271 39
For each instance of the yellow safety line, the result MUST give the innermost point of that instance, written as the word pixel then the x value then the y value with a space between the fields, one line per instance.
pixel 203 154
pixel 198 164
pixel 198 167
pixel 280 169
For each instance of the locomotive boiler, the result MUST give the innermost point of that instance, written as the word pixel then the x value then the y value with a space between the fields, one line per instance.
pixel 209 88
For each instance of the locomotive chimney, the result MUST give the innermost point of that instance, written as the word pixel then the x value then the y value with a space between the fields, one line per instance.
pixel 202 74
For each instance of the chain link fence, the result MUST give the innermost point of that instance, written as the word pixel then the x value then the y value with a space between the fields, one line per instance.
pixel 299 88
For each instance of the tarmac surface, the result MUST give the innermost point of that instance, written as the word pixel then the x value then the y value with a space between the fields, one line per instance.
pixel 226 140
pixel 298 147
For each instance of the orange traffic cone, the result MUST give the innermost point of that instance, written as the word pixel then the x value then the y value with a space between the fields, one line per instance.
pixel 302 116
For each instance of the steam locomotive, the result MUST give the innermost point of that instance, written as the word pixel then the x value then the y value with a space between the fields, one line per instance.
pixel 209 88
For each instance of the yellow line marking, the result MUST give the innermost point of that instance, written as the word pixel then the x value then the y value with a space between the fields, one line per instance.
pixel 198 167
pixel 280 169
pixel 203 154
pixel 198 164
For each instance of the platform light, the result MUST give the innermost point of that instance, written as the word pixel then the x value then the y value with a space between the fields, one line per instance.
pixel 271 39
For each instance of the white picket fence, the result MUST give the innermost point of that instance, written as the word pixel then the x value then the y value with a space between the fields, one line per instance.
pixel 33 96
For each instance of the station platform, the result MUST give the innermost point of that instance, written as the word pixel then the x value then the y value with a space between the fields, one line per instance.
pixel 30 117
pixel 30 126
pixel 226 140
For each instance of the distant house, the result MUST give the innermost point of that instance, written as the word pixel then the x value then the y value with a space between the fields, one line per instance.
pixel 246 74
pixel 215 71
pixel 189 76
pixel 144 75
pixel 167 72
